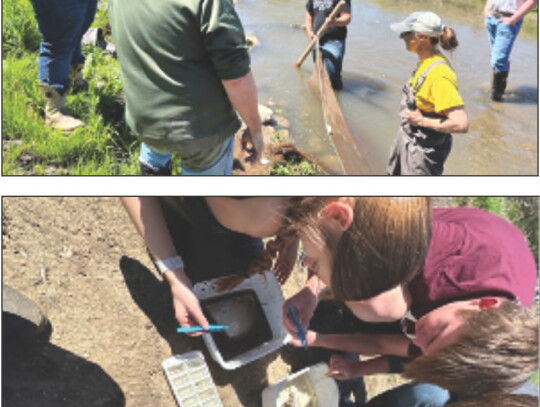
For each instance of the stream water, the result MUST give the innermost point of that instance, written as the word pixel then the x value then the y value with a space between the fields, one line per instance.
pixel 502 139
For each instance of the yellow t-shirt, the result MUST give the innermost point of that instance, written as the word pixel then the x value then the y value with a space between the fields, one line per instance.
pixel 439 91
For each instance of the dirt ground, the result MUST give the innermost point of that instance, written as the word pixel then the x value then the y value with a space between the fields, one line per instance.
pixel 82 262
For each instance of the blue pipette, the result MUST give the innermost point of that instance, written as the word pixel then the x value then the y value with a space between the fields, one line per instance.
pixel 299 327
pixel 198 328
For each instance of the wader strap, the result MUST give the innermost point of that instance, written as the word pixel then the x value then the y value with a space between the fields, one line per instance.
pixel 425 137
pixel 423 77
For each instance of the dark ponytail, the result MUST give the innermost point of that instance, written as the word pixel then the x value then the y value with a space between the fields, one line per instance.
pixel 447 39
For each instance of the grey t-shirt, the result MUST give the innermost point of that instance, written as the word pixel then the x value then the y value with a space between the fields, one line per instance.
pixel 508 6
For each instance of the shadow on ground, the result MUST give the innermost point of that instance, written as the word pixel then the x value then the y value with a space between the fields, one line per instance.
pixel 40 374
pixel 154 298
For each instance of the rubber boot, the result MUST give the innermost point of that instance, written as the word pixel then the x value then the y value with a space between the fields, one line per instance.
pixel 22 320
pixel 55 111
pixel 78 83
pixel 498 85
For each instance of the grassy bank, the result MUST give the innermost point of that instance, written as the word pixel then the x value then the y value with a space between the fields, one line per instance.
pixel 469 10
pixel 104 146
pixel 530 23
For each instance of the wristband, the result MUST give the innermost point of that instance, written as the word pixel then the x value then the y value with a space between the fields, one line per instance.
pixel 169 263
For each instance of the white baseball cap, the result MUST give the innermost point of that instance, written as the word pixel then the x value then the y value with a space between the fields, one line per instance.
pixel 424 22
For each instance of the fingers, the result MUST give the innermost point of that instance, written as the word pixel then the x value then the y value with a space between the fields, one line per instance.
pixel 338 367
pixel 256 140
pixel 304 319
pixel 311 337
pixel 187 309
pixel 287 322
pixel 186 319
pixel 296 342
pixel 335 374
pixel 338 362
pixel 197 315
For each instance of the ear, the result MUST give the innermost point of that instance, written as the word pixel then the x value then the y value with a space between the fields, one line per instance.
pixel 487 302
pixel 339 213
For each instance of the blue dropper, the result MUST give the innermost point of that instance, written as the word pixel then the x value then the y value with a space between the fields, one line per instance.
pixel 299 327
pixel 198 328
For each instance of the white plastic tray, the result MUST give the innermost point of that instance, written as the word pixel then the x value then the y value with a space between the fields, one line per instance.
pixel 325 389
pixel 269 294
pixel 190 380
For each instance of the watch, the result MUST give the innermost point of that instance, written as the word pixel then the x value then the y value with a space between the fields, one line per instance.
pixel 169 263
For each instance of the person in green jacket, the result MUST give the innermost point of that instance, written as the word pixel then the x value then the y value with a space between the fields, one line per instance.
pixel 186 73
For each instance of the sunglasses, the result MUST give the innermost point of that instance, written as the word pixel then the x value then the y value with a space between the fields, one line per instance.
pixel 408 325
pixel 405 34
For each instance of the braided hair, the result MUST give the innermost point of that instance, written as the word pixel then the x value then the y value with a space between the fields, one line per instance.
pixel 301 213
pixel 384 246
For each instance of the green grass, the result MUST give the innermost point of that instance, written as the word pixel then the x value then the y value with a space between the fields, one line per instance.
pixel 296 168
pixel 104 146
pixel 19 31
pixel 534 378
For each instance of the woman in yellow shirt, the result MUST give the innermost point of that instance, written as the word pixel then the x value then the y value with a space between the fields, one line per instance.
pixel 431 107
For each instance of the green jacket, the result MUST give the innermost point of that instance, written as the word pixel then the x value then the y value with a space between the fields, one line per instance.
pixel 173 55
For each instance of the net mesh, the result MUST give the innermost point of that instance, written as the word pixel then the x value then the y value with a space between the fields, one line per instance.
pixel 351 159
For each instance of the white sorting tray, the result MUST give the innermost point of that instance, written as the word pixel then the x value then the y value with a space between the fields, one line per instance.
pixel 268 292
pixel 324 390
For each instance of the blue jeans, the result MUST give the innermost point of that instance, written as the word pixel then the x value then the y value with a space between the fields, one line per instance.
pixel 333 52
pixel 221 166
pixel 412 395
pixel 501 40
pixel 61 23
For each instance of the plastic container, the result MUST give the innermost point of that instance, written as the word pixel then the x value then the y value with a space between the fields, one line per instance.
pixel 190 380
pixel 307 388
pixel 268 293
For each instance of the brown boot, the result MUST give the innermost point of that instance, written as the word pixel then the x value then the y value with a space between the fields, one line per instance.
pixel 55 112
pixel 498 85
pixel 78 83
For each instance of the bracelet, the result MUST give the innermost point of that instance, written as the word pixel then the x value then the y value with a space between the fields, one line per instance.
pixel 169 263
pixel 422 121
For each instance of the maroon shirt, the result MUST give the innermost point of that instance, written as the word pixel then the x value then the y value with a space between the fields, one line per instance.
pixel 473 253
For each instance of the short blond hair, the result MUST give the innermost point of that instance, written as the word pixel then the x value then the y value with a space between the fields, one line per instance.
pixel 499 352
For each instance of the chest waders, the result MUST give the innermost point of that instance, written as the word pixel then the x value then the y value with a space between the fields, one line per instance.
pixel 418 150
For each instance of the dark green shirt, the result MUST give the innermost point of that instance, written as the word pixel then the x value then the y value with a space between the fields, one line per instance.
pixel 173 55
